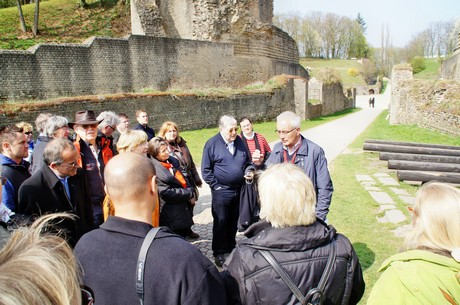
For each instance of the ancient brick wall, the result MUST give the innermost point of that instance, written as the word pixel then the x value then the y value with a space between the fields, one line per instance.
pixel 450 68
pixel 424 103
pixel 105 65
pixel 189 112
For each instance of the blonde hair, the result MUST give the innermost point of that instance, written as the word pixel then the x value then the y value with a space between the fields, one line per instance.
pixel 26 127
pixel 164 128
pixel 436 222
pixel 39 268
pixel 287 196
pixel 130 139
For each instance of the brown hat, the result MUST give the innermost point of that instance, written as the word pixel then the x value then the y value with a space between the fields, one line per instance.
pixel 84 117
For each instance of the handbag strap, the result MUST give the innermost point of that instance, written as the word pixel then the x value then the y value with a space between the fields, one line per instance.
pixel 293 287
pixel 140 267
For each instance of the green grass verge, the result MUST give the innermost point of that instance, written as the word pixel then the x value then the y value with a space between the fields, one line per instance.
pixel 341 65
pixel 353 211
pixel 432 70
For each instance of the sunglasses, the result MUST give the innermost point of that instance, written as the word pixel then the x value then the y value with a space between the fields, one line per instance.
pixel 87 295
pixel 28 132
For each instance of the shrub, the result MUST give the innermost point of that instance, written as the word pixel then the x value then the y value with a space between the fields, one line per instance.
pixel 418 64
pixel 353 72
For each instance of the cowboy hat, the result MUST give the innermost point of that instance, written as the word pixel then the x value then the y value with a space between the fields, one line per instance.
pixel 84 117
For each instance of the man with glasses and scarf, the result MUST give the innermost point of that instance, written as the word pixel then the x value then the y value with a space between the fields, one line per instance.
pixel 296 149
pixel 59 186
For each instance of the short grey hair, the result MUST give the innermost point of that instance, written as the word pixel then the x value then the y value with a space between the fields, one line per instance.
pixel 226 120
pixel 55 148
pixel 54 123
pixel 109 118
pixel 291 117
pixel 41 120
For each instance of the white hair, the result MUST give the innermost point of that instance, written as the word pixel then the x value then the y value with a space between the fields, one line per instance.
pixel 54 123
pixel 109 118
pixel 287 196
pixel 227 120
pixel 289 116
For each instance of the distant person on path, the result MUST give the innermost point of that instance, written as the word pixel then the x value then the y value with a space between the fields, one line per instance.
pixel 175 271
pixel 59 186
pixel 307 155
pixel 225 158
pixel 178 149
pixel 13 150
pixel 298 241
pixel 143 120
pixel 255 142
pixel 372 98
pixel 428 272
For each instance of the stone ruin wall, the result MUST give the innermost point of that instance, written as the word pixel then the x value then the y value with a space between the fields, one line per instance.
pixel 202 43
pixel 418 102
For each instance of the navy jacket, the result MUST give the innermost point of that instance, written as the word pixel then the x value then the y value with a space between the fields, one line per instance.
pixel 148 130
pixel 220 168
pixel 311 159
pixel 175 271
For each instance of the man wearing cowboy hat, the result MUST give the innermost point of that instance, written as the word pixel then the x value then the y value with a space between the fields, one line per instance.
pixel 94 155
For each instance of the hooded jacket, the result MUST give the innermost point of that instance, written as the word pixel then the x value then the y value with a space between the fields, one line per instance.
pixel 303 252
pixel 417 277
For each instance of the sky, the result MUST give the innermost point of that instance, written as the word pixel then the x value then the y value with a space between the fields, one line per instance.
pixel 403 18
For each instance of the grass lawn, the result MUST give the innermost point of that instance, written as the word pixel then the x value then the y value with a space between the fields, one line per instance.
pixel 353 211
pixel 340 65
pixel 432 70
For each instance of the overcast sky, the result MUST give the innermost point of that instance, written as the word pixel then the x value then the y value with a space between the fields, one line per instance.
pixel 404 18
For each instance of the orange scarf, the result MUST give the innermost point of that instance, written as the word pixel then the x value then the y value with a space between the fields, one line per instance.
pixel 177 174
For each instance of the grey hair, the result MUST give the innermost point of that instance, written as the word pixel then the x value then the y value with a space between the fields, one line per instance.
pixel 55 148
pixel 226 120
pixel 291 117
pixel 54 123
pixel 109 118
pixel 41 120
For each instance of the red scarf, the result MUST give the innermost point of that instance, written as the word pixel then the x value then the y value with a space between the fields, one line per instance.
pixel 177 174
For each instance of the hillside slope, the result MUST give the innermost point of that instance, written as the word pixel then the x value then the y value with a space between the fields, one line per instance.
pixel 64 21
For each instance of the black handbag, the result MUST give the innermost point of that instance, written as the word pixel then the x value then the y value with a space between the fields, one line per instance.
pixel 314 296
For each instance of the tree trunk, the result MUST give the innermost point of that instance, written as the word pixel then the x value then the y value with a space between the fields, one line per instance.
pixel 21 17
pixel 415 144
pixel 37 10
pixel 411 149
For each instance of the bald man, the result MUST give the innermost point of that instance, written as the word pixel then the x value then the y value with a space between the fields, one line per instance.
pixel 175 271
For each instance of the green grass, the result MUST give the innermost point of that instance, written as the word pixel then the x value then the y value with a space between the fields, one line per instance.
pixel 63 21
pixel 432 70
pixel 340 65
pixel 354 212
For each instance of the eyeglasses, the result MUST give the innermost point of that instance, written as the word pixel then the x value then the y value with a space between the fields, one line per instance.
pixel 70 164
pixel 283 132
pixel 87 296
pixel 28 132
pixel 113 128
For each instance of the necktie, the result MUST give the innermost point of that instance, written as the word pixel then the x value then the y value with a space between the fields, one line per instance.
pixel 66 186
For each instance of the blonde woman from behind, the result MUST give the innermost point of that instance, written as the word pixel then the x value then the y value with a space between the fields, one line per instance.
pixel 428 271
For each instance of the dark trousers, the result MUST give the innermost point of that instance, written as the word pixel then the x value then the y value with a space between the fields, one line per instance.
pixel 225 210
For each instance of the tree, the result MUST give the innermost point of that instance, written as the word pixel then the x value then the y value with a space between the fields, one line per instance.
pixel 21 17
pixel 361 23
pixel 36 14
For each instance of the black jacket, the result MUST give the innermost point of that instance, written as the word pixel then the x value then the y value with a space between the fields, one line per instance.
pixel 175 210
pixel 303 253
pixel 43 193
pixel 175 271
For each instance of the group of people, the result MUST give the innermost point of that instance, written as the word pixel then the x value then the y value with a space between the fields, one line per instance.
pixel 291 255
